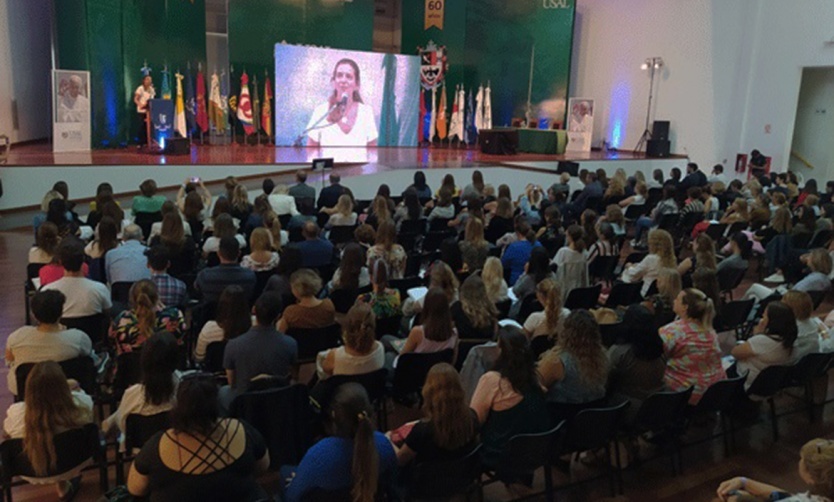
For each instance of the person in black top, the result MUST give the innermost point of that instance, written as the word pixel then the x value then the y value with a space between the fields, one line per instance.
pixel 329 196
pixel 474 315
pixel 694 177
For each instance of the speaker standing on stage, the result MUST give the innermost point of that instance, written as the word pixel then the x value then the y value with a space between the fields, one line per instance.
pixel 141 96
pixel 350 121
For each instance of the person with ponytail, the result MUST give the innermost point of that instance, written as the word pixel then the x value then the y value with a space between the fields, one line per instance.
pixel 572 271
pixel 517 253
pixel 771 344
pixel 356 458
pixel 690 345
pixel 509 399
pixel 361 352
pixel 386 247
pixel 146 316
pixel 52 404
pixel 549 321
pixel 385 302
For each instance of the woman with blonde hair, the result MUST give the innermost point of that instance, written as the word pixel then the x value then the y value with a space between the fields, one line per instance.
pixel 309 312
pixel 816 459
pixel 661 254
pixel 441 277
pixel 448 429
pixel 474 248
pixel 690 345
pixel 661 304
pixel 278 238
pixel 224 226
pixel 145 317
pixel 575 371
pixel 615 191
pixel 51 405
pixel 475 316
pixel 386 248
pixel 811 331
pixel 547 322
pixel 344 216
pixel 261 257
pixel 241 207
pixel 361 352
pixel 502 221
pixel 737 212
pixel 493 277
pixel 379 211
pixel 704 248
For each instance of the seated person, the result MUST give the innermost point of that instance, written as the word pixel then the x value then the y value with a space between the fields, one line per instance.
pixel 315 251
pixel 202 456
pixel 352 273
pixel 435 334
pixel 384 301
pixel 49 340
pixel 46 244
pixel 212 281
pixel 636 359
pixel 770 345
pixel 232 319
pixel 309 312
pixel 818 262
pixel 661 254
pixel 146 317
pixel 811 331
pixel 261 257
pixel 127 263
pixel 83 296
pixel 549 321
pixel 475 315
pixel 361 352
pixel 172 291
pixel 52 405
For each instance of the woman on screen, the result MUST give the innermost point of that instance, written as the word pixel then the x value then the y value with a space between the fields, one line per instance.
pixel 344 120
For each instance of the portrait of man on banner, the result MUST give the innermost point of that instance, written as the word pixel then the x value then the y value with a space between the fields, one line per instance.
pixel 72 99
pixel 580 124
pixel 433 65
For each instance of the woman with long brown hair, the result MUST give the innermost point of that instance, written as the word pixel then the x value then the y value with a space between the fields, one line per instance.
pixel 448 429
pixel 355 457
pixel 46 244
pixel 181 247
pixel 361 352
pixel 442 277
pixel 549 321
pixel 386 248
pixel 474 248
pixel 352 272
pixel 146 316
pixel 233 318
pixel 475 315
pixel 437 331
pixel 51 405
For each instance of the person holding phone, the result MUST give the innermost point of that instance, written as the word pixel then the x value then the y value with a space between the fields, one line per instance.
pixel 347 121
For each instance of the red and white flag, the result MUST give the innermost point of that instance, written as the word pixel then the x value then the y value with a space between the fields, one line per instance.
pixel 244 106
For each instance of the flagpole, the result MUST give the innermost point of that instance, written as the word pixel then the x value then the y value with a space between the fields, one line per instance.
pixel 529 111
pixel 202 138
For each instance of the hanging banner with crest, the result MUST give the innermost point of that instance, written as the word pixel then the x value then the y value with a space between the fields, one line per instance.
pixel 433 65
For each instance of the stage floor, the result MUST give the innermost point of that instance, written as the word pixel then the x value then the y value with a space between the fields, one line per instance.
pixel 41 155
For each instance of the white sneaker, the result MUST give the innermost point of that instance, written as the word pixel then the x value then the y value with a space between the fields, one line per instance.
pixel 775 278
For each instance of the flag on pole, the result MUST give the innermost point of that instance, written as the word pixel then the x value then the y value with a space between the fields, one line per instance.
pixel 179 115
pixel 421 130
pixel 224 98
pixel 190 103
pixel 479 108
pixel 433 122
pixel 256 104
pixel 266 108
pixel 487 107
pixel 244 105
pixel 202 118
pixel 215 105
pixel 456 124
pixel 442 130
pixel 471 131
pixel 166 84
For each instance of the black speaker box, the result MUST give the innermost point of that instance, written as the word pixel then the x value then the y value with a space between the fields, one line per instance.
pixel 660 130
pixel 571 168
pixel 177 146
pixel 658 148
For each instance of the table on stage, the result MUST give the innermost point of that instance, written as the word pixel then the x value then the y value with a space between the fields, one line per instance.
pixel 499 140
pixel 547 141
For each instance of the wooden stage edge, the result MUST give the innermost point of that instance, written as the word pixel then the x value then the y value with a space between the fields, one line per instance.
pixel 41 155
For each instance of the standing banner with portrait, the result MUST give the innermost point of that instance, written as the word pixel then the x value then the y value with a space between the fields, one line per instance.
pixel 330 97
pixel 580 124
pixel 71 111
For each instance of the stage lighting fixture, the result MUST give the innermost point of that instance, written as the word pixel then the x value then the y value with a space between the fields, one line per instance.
pixel 653 64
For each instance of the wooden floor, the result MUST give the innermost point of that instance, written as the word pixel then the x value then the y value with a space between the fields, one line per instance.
pixel 40 154
pixel 758 457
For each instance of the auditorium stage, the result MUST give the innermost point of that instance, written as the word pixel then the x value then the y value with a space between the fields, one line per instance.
pixel 32 169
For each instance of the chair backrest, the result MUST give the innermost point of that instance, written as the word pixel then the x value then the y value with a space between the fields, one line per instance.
pixel 373 382
pixel 146 221
pixel 583 298
pixel 668 221
pixel 817 297
pixel 412 369
pixel 95 326
pixel 541 344
pixel 809 367
pixel 525 453
pixel 312 341
pixel 635 257
pixel 416 227
pixel 730 277
pixel 434 238
pixel 634 211
pixel 73 448
pixel 447 478
pixel 610 333
pixel 820 239
pixel 439 224
pixel 770 381
pixel 593 428
pixel 662 410
pixel 295 234
pixel 529 304
pixel 464 346
pixel 342 234
pixel 283 418
pixel 33 270
pixel 603 267
pixel 213 362
pixel 128 371
pixel 721 396
pixel 624 293
pixel 504 307
pixel 734 314
pixel 404 284
pixel 388 326
pixel 261 278
pixel 79 368
pixel 716 231
pixel 344 298
pixel 140 428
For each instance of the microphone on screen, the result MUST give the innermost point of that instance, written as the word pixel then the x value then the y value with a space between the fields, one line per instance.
pixel 343 102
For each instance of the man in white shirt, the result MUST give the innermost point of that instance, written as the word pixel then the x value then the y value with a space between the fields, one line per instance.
pixel 718 175
pixel 48 341
pixel 83 296
pixel 282 202
pixel 74 106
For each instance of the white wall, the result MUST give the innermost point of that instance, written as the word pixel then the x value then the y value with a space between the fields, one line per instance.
pixel 814 129
pixel 25 64
pixel 732 67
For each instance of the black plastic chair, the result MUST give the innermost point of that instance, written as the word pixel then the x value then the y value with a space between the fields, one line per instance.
pixel 603 267
pixel 388 326
pixel 805 372
pixel 138 430
pixel 96 326
pixel 412 368
pixel 524 454
pixel 767 385
pixel 344 298
pixel 817 297
pixel 720 398
pixel 504 307
pixel 529 304
pixel 439 224
pixel 79 368
pixel 404 284
pixel 821 239
pixel 432 240
pixel 282 416
pixel 717 231
pixel 73 448
pixel 624 294
pixel 583 298
pixel 464 346
pixel 213 362
pixel 541 344
pixel 128 372
pixel 610 333
pixel 733 316
pixel 261 278
pixel 444 480
pixel 594 429
pixel 32 272
pixel 634 211
pixel 668 221
pixel 664 413
pixel 145 221
pixel 314 340
pixel 374 384
pixel 341 234
pixel 729 278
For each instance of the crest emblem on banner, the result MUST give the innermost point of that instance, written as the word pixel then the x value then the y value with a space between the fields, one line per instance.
pixel 433 65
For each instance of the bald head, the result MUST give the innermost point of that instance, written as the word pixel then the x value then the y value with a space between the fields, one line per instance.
pixel 310 230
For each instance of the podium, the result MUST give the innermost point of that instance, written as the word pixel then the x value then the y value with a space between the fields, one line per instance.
pixel 160 122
